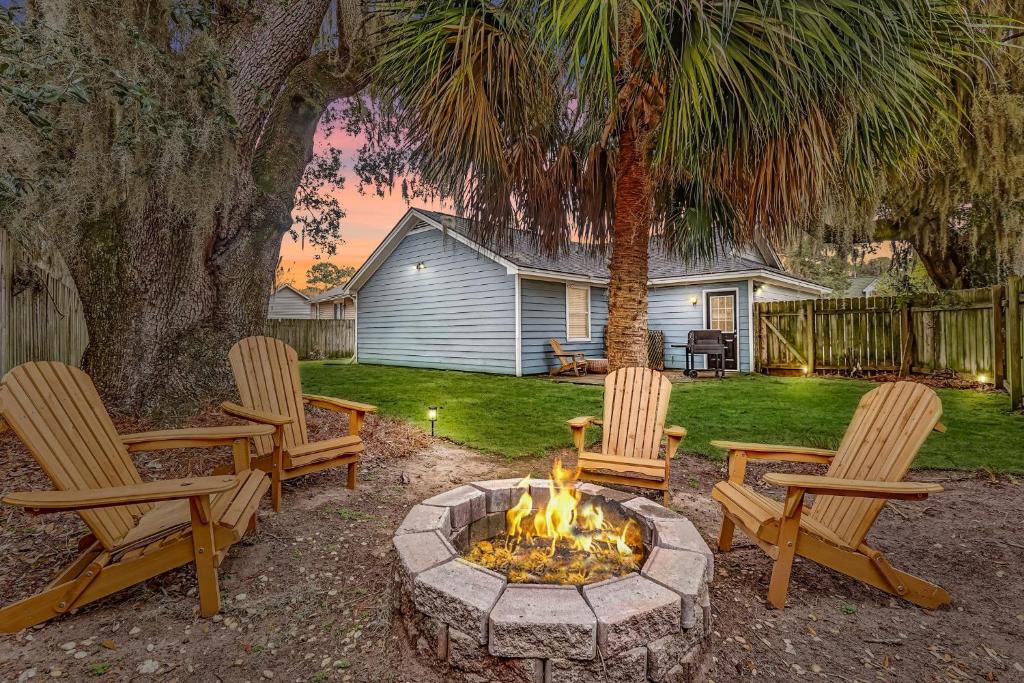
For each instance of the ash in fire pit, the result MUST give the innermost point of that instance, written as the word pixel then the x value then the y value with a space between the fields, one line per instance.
pixel 554 581
pixel 563 541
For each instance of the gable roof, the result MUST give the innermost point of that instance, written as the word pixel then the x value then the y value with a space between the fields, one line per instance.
pixel 288 286
pixel 862 285
pixel 581 263
pixel 333 293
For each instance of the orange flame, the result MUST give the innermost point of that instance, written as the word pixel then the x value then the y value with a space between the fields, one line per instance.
pixel 585 528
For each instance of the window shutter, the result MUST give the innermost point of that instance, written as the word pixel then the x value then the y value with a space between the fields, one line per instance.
pixel 577 314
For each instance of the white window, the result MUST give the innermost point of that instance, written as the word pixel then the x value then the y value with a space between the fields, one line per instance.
pixel 577 313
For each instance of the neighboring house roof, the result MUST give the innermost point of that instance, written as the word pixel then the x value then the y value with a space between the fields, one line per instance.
pixel 339 292
pixel 288 286
pixel 862 286
pixel 582 263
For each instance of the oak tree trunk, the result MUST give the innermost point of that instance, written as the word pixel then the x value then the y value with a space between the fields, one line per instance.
pixel 626 335
pixel 164 301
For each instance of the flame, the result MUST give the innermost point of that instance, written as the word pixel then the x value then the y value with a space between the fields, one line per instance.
pixel 534 537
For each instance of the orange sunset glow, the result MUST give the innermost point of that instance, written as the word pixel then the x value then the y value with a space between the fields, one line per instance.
pixel 368 218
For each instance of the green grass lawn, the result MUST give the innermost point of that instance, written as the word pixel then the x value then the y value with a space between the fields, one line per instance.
pixel 526 416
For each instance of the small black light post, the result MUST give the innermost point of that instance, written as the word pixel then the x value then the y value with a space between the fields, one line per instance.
pixel 432 416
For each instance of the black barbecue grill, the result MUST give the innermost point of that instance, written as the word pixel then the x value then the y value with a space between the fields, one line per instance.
pixel 709 343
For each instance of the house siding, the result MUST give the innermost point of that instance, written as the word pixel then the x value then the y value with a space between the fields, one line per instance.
pixel 669 310
pixel 778 293
pixel 458 313
pixel 285 303
pixel 543 317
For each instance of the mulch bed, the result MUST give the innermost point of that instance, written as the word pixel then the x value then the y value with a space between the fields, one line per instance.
pixel 310 595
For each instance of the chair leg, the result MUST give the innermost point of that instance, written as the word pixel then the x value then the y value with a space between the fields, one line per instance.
pixel 352 475
pixel 205 556
pixel 665 497
pixel 778 588
pixel 726 534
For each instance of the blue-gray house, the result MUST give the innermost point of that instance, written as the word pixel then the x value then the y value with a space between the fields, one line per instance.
pixel 431 297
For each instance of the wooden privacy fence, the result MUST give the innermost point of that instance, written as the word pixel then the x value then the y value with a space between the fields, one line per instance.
pixel 40 318
pixel 975 333
pixel 316 338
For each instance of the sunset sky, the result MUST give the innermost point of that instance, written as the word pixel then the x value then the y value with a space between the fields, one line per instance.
pixel 368 218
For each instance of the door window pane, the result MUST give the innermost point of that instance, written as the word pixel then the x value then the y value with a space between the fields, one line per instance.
pixel 722 312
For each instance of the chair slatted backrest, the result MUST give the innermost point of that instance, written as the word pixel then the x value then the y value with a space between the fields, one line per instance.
pixel 556 346
pixel 57 413
pixel 267 374
pixel 635 405
pixel 889 427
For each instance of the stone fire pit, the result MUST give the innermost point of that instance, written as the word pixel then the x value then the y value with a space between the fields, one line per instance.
pixel 650 625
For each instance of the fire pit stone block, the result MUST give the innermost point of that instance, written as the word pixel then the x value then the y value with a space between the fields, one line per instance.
pixel 426 518
pixel 468 656
pixel 680 534
pixel 591 489
pixel 540 491
pixel 500 493
pixel 542 621
pixel 422 550
pixel 466 504
pixel 628 667
pixel 682 571
pixel 460 594
pixel 631 612
pixel 665 655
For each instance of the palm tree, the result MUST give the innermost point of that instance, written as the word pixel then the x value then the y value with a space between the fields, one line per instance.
pixel 694 122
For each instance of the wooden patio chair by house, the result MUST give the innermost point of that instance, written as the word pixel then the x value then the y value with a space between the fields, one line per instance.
pixel 575 362
pixel 267 373
pixel 635 405
pixel 138 529
pixel 889 426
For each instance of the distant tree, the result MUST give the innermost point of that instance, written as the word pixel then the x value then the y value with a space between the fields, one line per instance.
pixel 325 275
pixel 906 275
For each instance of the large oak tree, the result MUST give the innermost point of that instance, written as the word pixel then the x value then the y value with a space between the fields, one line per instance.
pixel 159 145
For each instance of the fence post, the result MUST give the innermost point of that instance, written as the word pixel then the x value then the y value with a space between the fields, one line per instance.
pixel 757 338
pixel 809 334
pixel 998 337
pixel 1013 342
pixel 6 265
pixel 907 329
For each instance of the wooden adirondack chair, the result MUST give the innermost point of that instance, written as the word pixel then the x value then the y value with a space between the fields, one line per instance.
pixel 635 405
pixel 267 373
pixel 138 529
pixel 890 425
pixel 575 362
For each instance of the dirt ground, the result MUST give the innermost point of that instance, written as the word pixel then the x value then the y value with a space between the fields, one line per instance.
pixel 310 596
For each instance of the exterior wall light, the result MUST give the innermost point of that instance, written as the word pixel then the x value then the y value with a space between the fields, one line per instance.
pixel 432 416
pixel 421 265
pixel 693 300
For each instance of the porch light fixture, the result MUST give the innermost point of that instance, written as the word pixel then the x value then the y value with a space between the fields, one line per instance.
pixel 421 265
pixel 693 300
pixel 432 416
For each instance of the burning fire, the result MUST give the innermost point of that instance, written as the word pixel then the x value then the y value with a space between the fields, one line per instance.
pixel 562 542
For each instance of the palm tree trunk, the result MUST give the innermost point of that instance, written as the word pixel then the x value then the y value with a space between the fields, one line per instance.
pixel 626 336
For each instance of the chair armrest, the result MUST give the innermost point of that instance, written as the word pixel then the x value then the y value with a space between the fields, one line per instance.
pixel 338 404
pixel 761 451
pixel 579 425
pixel 146 492
pixel 675 435
pixel 200 437
pixel 255 415
pixel 858 488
